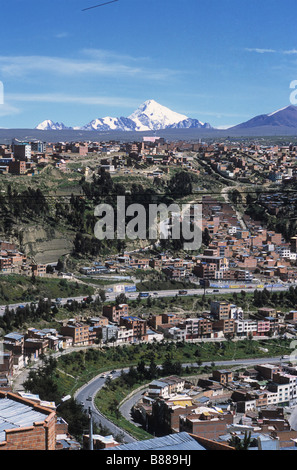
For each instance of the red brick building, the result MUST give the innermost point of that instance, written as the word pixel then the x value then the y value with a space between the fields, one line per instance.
pixel 115 312
pixel 136 324
pixel 25 425
pixel 79 332
pixel 206 424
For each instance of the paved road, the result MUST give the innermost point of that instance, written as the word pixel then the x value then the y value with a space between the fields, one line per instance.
pixel 86 396
pixel 88 392
pixel 156 294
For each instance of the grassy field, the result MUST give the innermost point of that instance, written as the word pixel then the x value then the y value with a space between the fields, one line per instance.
pixel 16 288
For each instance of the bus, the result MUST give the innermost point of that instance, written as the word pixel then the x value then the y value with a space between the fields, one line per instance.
pixel 144 294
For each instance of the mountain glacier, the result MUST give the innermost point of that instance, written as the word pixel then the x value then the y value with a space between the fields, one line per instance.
pixel 109 123
pixel 48 125
pixel 150 116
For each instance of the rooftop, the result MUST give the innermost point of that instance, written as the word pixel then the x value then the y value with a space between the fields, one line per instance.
pixel 14 414
pixel 179 441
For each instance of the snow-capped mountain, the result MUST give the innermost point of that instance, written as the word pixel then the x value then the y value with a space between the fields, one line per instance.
pixel 190 123
pixel 153 116
pixel 284 117
pixel 109 123
pixel 48 125
pixel 150 116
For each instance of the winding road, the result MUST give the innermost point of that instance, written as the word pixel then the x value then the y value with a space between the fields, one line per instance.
pixel 87 393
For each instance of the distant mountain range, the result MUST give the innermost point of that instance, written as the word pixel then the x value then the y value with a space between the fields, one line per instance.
pixel 285 117
pixel 150 116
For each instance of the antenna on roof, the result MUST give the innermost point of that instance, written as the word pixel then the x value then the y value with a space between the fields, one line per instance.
pixel 100 5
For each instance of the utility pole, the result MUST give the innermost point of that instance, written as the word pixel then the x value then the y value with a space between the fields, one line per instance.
pixel 91 446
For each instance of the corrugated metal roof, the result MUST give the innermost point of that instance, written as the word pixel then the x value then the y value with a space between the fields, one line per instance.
pixel 159 383
pixel 13 336
pixel 179 441
pixel 14 414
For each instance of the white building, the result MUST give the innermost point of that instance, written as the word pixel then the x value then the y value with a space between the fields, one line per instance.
pixel 285 388
pixel 178 334
pixel 153 336
pixel 124 335
pixel 246 327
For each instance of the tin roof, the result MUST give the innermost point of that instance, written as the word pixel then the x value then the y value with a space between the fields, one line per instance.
pixel 179 441
pixel 14 414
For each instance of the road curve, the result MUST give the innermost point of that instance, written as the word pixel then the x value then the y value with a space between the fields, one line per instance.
pixel 86 394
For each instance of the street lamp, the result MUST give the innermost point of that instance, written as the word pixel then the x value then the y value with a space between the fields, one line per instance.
pixel 66 398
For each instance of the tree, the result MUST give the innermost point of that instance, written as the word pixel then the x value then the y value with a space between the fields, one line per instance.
pixel 42 381
pixel 121 299
pixel 206 238
pixel 141 369
pixel 180 184
pixel 153 370
pixel 241 444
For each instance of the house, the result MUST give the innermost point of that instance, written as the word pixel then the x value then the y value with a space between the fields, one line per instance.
pixel 206 422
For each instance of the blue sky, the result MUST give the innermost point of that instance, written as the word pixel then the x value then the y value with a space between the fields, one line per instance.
pixel 220 61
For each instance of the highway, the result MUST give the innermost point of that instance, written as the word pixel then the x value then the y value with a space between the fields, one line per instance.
pixel 158 294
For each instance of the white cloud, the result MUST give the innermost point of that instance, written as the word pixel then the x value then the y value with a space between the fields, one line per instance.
pixel 108 55
pixel 64 98
pixel 8 110
pixel 61 35
pixel 271 51
pixel 260 51
pixel 292 51
pixel 101 63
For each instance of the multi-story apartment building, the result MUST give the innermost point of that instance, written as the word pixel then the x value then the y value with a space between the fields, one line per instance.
pixel 124 335
pixel 206 270
pixel 38 146
pixel 177 333
pixel 108 333
pixel 209 424
pixel 227 326
pixel 137 325
pixel 5 264
pixel 222 376
pixel 285 386
pixel 22 151
pixel 38 269
pixel 6 363
pixel 263 327
pixel 79 332
pixel 17 167
pixel 115 312
pixel 267 370
pixel 246 327
pixel 197 327
pixel 220 310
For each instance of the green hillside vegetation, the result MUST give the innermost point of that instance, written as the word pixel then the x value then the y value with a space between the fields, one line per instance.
pixel 15 288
